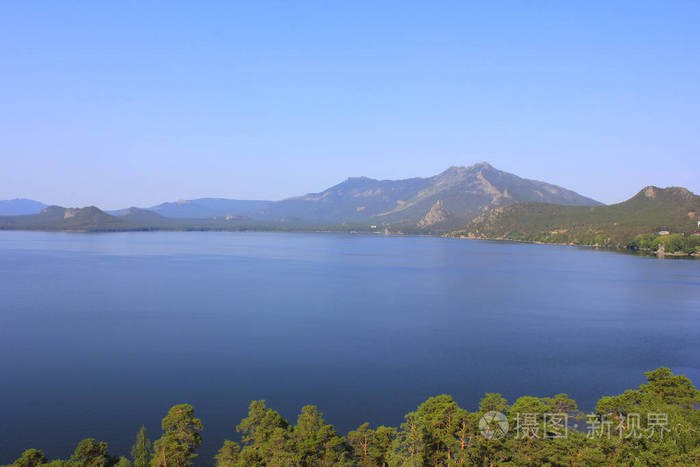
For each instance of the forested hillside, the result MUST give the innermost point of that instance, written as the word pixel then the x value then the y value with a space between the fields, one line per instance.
pixel 633 224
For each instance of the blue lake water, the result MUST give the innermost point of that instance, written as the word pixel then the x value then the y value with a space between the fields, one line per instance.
pixel 100 333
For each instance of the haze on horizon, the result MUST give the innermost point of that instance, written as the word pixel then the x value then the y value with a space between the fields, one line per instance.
pixel 128 103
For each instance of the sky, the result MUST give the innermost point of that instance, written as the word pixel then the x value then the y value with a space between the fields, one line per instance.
pixel 117 104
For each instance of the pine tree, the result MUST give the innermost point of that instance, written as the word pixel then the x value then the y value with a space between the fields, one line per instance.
pixel 180 438
pixel 30 458
pixel 142 451
pixel 228 454
pixel 267 437
pixel 92 453
pixel 316 441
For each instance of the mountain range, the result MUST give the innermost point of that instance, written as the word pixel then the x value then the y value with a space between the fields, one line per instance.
pixel 203 208
pixel 20 207
pixel 476 201
pixel 434 204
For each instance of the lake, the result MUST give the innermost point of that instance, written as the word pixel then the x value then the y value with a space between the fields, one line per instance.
pixel 101 333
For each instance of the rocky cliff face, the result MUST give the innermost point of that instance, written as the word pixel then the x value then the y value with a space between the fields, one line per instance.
pixel 437 214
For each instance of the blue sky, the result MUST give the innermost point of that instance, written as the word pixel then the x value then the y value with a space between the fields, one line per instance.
pixel 134 103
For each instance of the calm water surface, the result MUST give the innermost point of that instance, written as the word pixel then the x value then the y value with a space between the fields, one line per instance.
pixel 100 333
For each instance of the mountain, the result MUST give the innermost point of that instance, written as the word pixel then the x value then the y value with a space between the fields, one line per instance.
pixel 650 211
pixel 209 207
pixel 463 192
pixel 69 219
pixel 141 216
pixel 20 207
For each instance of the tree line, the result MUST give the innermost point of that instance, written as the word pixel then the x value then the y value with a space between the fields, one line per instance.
pixel 656 424
pixel 672 243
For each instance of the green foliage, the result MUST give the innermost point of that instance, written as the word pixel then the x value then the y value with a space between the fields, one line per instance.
pixel 670 388
pixel 493 402
pixel 361 443
pixel 30 458
pixel 370 447
pixel 673 243
pixel 382 441
pixel 440 419
pixel 563 404
pixel 317 442
pixel 180 438
pixel 267 437
pixel 92 453
pixel 625 429
pixel 142 452
pixel 228 455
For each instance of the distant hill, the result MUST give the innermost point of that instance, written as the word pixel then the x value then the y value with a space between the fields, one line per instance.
pixel 20 207
pixel 209 207
pixel 141 216
pixel 92 219
pixel 455 196
pixel 650 211
pixel 86 219
pixel 146 218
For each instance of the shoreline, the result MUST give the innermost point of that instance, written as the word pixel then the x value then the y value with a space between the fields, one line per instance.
pixel 640 252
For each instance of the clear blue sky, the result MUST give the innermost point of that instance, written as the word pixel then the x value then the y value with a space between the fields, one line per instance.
pixel 134 103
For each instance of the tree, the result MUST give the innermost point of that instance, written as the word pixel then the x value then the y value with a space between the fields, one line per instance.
pixel 562 404
pixel 267 437
pixel 228 455
pixel 30 458
pixel 361 443
pixel 181 436
pixel 407 448
pixel 440 418
pixel 315 440
pixel 620 405
pixel 672 389
pixel 142 451
pixel 493 402
pixel 123 462
pixel 92 453
pixel 371 447
pixel 381 444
